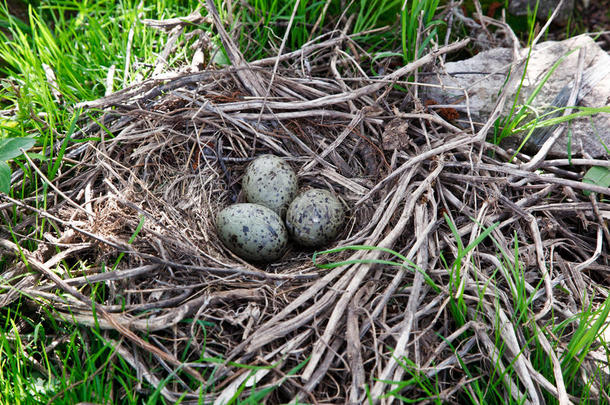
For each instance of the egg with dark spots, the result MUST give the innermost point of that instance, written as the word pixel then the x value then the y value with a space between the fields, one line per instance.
pixel 252 231
pixel 270 181
pixel 314 217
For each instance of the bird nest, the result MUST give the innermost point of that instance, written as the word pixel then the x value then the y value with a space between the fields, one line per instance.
pixel 443 243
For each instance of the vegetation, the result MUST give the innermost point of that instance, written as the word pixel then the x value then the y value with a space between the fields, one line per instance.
pixel 56 54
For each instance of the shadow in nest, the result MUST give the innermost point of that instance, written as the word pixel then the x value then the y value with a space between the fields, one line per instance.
pixel 180 160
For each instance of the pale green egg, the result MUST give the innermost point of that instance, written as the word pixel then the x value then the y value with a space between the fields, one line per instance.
pixel 252 231
pixel 270 181
pixel 314 217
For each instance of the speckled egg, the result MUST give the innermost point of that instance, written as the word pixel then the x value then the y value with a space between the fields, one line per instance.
pixel 252 231
pixel 271 182
pixel 314 217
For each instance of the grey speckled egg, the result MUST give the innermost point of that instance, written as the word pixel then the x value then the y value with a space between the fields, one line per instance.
pixel 314 217
pixel 271 182
pixel 252 231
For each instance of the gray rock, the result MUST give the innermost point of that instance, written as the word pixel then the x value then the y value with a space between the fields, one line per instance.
pixel 483 76
pixel 545 8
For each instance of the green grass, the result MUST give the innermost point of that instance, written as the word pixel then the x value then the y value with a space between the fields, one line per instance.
pixel 78 42
pixel 411 26
pixel 52 361
pixel 429 387
pixel 404 264
pixel 263 25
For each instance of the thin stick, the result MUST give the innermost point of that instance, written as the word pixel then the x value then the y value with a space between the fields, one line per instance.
pixel 57 190
pixel 277 61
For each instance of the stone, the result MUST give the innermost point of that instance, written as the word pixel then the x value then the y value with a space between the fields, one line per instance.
pixel 483 76
pixel 545 8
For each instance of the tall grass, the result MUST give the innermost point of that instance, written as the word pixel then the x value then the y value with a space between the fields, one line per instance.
pixel 418 27
pixel 48 361
pixel 262 24
pixel 62 55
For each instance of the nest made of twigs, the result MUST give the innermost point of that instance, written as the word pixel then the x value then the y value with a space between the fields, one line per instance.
pixel 140 204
